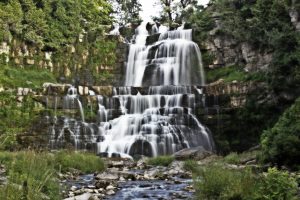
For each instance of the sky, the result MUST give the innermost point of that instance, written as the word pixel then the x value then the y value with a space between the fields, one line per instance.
pixel 150 10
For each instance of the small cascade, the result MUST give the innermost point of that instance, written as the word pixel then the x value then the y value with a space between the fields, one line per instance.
pixel 161 122
pixel 153 113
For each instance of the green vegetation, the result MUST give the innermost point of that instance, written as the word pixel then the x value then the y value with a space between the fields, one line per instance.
pixel 281 144
pixel 232 73
pixel 85 162
pixel 215 181
pixel 160 161
pixel 18 113
pixel 190 165
pixel 241 158
pixel 33 175
pixel 266 25
pixel 52 23
pixel 15 117
pixel 13 77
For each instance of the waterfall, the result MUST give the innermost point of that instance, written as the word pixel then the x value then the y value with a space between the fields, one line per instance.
pixel 162 121
pixel 153 113
pixel 174 58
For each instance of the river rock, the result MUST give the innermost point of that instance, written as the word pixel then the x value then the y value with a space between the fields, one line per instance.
pixel 101 184
pixel 107 176
pixel 195 153
pixel 110 192
pixel 110 187
pixel 94 197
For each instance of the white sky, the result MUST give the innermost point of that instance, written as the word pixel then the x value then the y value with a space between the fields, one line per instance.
pixel 149 8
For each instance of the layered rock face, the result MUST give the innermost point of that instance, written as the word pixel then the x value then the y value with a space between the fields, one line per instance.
pixel 72 63
pixel 228 51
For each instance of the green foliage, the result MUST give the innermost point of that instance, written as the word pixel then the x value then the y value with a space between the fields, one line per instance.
pixel 15 117
pixel 190 165
pixel 277 185
pixel 202 22
pixel 33 175
pixel 52 23
pixel 85 162
pixel 266 25
pixel 228 74
pixel 215 182
pixel 14 77
pixel 127 10
pixel 281 144
pixel 233 73
pixel 232 158
pixel 161 161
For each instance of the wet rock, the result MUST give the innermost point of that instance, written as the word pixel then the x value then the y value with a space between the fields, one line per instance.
pixel 73 188
pixel 100 184
pixel 196 153
pixel 106 176
pixel 110 187
pixel 88 190
pixel 110 192
pixel 94 197
pixel 116 164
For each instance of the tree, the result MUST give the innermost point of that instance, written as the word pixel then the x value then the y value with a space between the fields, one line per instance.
pixel 174 11
pixel 127 10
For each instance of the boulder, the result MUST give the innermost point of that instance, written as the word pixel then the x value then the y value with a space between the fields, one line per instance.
pixel 195 153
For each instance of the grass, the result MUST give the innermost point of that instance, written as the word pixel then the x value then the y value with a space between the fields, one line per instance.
pixel 33 175
pixel 160 161
pixel 85 162
pixel 232 73
pixel 241 158
pixel 13 77
pixel 215 181
pixel 190 165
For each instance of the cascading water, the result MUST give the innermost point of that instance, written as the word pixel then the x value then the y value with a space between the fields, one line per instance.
pixel 159 121
pixel 174 60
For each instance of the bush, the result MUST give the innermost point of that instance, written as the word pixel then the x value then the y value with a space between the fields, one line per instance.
pixel 232 158
pixel 281 144
pixel 277 185
pixel 160 161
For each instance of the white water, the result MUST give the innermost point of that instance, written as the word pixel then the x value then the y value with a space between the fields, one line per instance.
pixel 176 59
pixel 157 122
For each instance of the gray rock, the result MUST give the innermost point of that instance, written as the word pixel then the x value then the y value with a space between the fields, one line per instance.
pixel 106 176
pixel 110 192
pixel 195 153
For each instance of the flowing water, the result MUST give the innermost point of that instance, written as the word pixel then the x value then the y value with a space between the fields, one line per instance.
pixel 158 121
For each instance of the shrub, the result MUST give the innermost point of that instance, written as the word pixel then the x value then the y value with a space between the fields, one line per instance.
pixel 232 158
pixel 277 185
pixel 281 144
pixel 161 161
